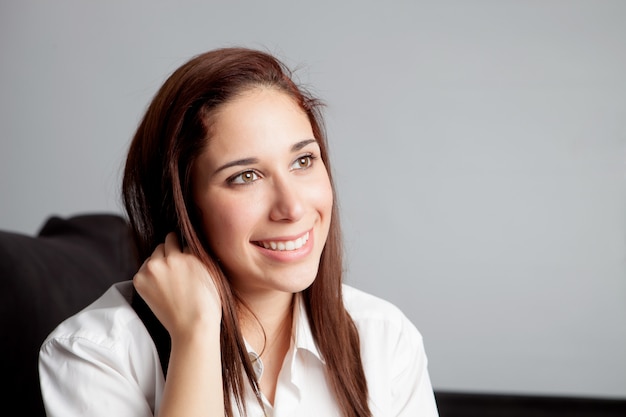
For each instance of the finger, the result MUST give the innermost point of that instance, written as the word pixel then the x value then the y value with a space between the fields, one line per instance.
pixel 158 252
pixel 171 244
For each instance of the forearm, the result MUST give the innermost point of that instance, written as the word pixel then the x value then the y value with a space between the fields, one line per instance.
pixel 194 380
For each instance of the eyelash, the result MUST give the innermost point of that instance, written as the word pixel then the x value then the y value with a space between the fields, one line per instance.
pixel 234 179
pixel 239 176
pixel 309 156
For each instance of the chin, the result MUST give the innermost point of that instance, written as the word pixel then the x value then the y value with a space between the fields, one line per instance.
pixel 291 285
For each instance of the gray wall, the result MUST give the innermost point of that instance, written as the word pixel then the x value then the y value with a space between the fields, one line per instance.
pixel 479 148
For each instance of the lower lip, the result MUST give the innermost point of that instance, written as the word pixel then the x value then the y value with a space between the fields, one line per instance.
pixel 289 255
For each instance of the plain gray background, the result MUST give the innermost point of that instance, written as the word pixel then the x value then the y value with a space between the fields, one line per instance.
pixel 479 148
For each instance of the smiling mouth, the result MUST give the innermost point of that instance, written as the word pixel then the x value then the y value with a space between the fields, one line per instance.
pixel 285 245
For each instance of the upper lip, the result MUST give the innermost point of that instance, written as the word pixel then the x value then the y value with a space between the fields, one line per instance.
pixel 283 238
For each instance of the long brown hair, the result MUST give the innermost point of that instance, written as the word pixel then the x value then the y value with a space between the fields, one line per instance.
pixel 157 194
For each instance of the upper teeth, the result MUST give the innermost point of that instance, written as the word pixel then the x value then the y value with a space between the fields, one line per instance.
pixel 286 244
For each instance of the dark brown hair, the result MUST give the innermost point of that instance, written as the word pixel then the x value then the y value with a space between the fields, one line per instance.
pixel 158 198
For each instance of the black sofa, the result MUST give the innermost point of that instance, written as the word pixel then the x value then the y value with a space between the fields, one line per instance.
pixel 48 277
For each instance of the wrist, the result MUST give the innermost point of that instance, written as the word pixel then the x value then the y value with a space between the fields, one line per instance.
pixel 202 333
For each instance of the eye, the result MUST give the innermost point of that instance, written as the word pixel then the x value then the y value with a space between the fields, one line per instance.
pixel 246 177
pixel 303 162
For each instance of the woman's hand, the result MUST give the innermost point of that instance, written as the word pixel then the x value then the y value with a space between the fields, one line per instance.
pixel 179 290
pixel 182 294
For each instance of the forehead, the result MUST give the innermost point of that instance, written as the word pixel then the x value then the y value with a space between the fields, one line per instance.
pixel 257 121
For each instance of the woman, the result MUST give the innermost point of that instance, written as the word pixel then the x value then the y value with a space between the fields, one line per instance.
pixel 228 189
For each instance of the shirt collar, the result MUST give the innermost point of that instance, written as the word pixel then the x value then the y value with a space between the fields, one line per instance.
pixel 303 336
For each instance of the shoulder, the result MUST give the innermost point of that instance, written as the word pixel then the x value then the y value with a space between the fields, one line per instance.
pixel 103 348
pixel 108 324
pixel 393 356
pixel 383 328
pixel 369 309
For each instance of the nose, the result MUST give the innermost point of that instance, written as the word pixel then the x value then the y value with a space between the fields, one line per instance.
pixel 287 204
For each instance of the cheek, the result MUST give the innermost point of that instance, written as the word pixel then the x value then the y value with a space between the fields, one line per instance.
pixel 226 223
pixel 216 221
pixel 328 203
pixel 324 207
pixel 324 196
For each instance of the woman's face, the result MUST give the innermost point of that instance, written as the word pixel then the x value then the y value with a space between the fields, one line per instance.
pixel 263 193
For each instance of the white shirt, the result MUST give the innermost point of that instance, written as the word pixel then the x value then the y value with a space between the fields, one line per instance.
pixel 102 362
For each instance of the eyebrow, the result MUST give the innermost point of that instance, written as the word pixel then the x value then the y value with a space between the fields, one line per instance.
pixel 297 146
pixel 249 161
pixel 238 162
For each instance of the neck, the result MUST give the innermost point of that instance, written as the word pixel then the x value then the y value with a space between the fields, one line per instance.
pixel 267 326
pixel 267 319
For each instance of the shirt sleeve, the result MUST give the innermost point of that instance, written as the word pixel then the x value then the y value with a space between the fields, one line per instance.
pixel 81 378
pixel 412 391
